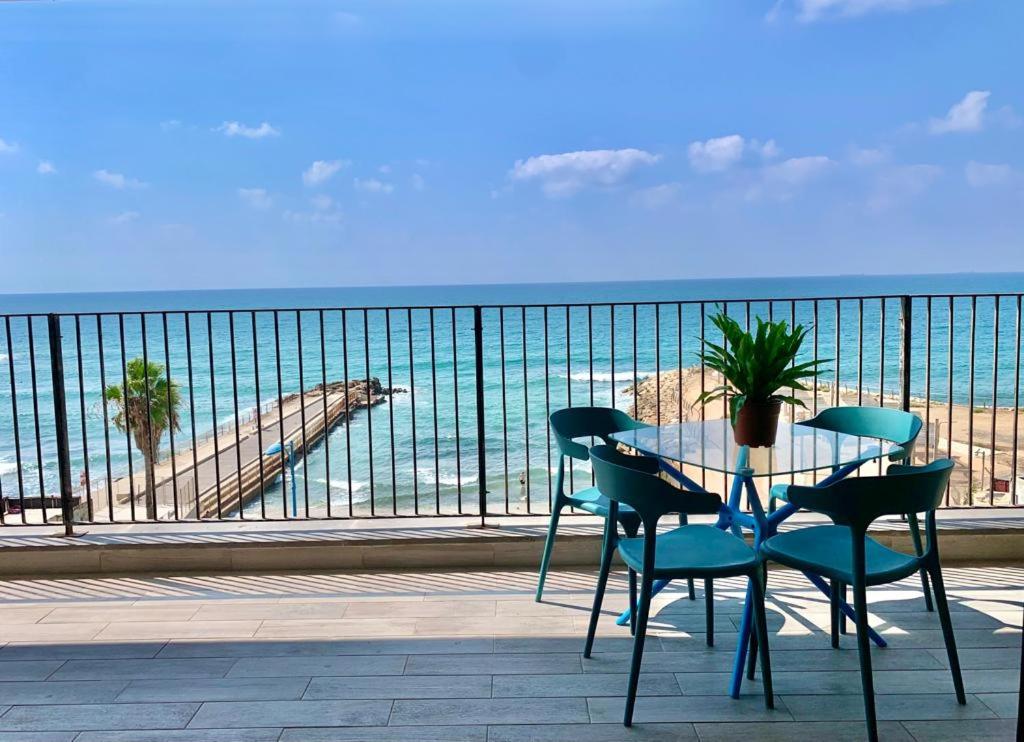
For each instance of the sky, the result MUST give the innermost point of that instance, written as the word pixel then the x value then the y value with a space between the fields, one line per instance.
pixel 216 144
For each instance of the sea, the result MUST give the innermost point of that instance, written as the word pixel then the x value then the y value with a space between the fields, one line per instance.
pixel 544 346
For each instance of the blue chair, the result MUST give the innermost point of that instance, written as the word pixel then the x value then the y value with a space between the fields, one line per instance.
pixel 888 424
pixel 844 553
pixel 689 551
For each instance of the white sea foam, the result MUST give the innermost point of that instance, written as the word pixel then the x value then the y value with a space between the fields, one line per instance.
pixel 603 376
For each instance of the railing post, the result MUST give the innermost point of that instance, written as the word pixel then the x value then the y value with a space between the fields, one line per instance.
pixel 481 442
pixel 906 321
pixel 60 416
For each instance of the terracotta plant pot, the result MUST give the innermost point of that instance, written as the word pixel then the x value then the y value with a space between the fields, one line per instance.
pixel 757 423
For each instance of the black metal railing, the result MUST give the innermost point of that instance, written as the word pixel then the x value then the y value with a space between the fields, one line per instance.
pixel 442 410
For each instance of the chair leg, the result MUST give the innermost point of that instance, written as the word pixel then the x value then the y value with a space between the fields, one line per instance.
pixel 602 583
pixel 709 611
pixel 761 630
pixel 915 535
pixel 860 604
pixel 632 602
pixel 692 594
pixel 549 544
pixel 834 612
pixel 644 609
pixel 752 655
pixel 947 631
pixel 842 616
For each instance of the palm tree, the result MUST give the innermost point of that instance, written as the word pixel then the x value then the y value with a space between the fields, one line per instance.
pixel 147 408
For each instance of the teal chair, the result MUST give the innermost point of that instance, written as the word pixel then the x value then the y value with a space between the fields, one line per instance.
pixel 844 553
pixel 689 551
pixel 888 424
pixel 585 422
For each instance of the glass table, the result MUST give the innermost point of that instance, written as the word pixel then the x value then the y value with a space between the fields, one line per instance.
pixel 710 445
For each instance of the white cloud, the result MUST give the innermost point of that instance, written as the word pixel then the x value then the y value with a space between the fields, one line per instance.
pixel 716 155
pixel 321 171
pixel 117 180
pixel 417 182
pixel 372 185
pixel 798 170
pixel 257 198
pixel 170 125
pixel 237 129
pixel 7 148
pixel 45 167
pixel 657 196
pixel 809 11
pixel 565 174
pixel 124 217
pixel 317 216
pixel 868 156
pixel 322 202
pixel 981 174
pixel 898 184
pixel 967 115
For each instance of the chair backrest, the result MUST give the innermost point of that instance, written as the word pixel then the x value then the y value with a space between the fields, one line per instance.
pixel 886 423
pixel 582 422
pixel 634 481
pixel 857 501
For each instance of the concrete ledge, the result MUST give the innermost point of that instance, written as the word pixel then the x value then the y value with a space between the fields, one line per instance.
pixel 994 538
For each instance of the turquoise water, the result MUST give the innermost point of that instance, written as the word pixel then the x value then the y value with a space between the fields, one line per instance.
pixel 527 371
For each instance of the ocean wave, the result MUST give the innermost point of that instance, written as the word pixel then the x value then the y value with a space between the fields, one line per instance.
pixel 603 376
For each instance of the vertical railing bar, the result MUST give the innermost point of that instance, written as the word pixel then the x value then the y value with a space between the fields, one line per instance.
pixel 412 410
pixel 725 400
pixel 547 406
pixel 504 407
pixel 17 427
pixel 35 416
pixel 611 351
pixel 433 397
pixel 881 360
pixel 995 394
pixel 391 412
pixel 106 420
pixel 234 407
pixel 481 432
pixel 906 340
pixel 679 360
pixel 703 383
pixel 636 393
pixel 590 369
pixel 1016 403
pixel 327 427
pixel 60 416
pixel 302 412
pixel 814 383
pixel 657 363
pixel 839 346
pixel 151 465
pixel 568 380
pixel 259 416
pixel 526 409
pixel 970 407
pixel 283 453
pixel 455 391
pixel 928 381
pixel 127 421
pixel 172 416
pixel 81 411
pixel 348 411
pixel 192 410
pixel 369 408
pixel 860 352
pixel 792 392
pixel 949 399
pixel 213 413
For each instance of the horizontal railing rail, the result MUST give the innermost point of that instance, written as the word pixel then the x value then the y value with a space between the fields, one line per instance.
pixel 438 411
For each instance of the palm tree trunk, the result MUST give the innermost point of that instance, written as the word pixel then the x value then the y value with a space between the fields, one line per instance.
pixel 150 487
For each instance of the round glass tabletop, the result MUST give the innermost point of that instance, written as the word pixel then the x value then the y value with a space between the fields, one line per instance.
pixel 709 444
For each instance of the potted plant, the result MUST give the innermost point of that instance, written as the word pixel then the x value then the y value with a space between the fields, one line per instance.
pixel 754 368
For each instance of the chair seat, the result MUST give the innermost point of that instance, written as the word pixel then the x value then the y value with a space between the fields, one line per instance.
pixel 695 551
pixel 594 502
pixel 827 551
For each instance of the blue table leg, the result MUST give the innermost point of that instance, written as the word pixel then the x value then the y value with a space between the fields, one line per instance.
pixel 656 588
pixel 742 642
pixel 844 607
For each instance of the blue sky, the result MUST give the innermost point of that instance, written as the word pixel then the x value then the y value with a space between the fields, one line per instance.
pixel 312 143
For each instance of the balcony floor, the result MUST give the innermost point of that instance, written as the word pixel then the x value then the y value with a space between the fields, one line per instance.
pixel 464 656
